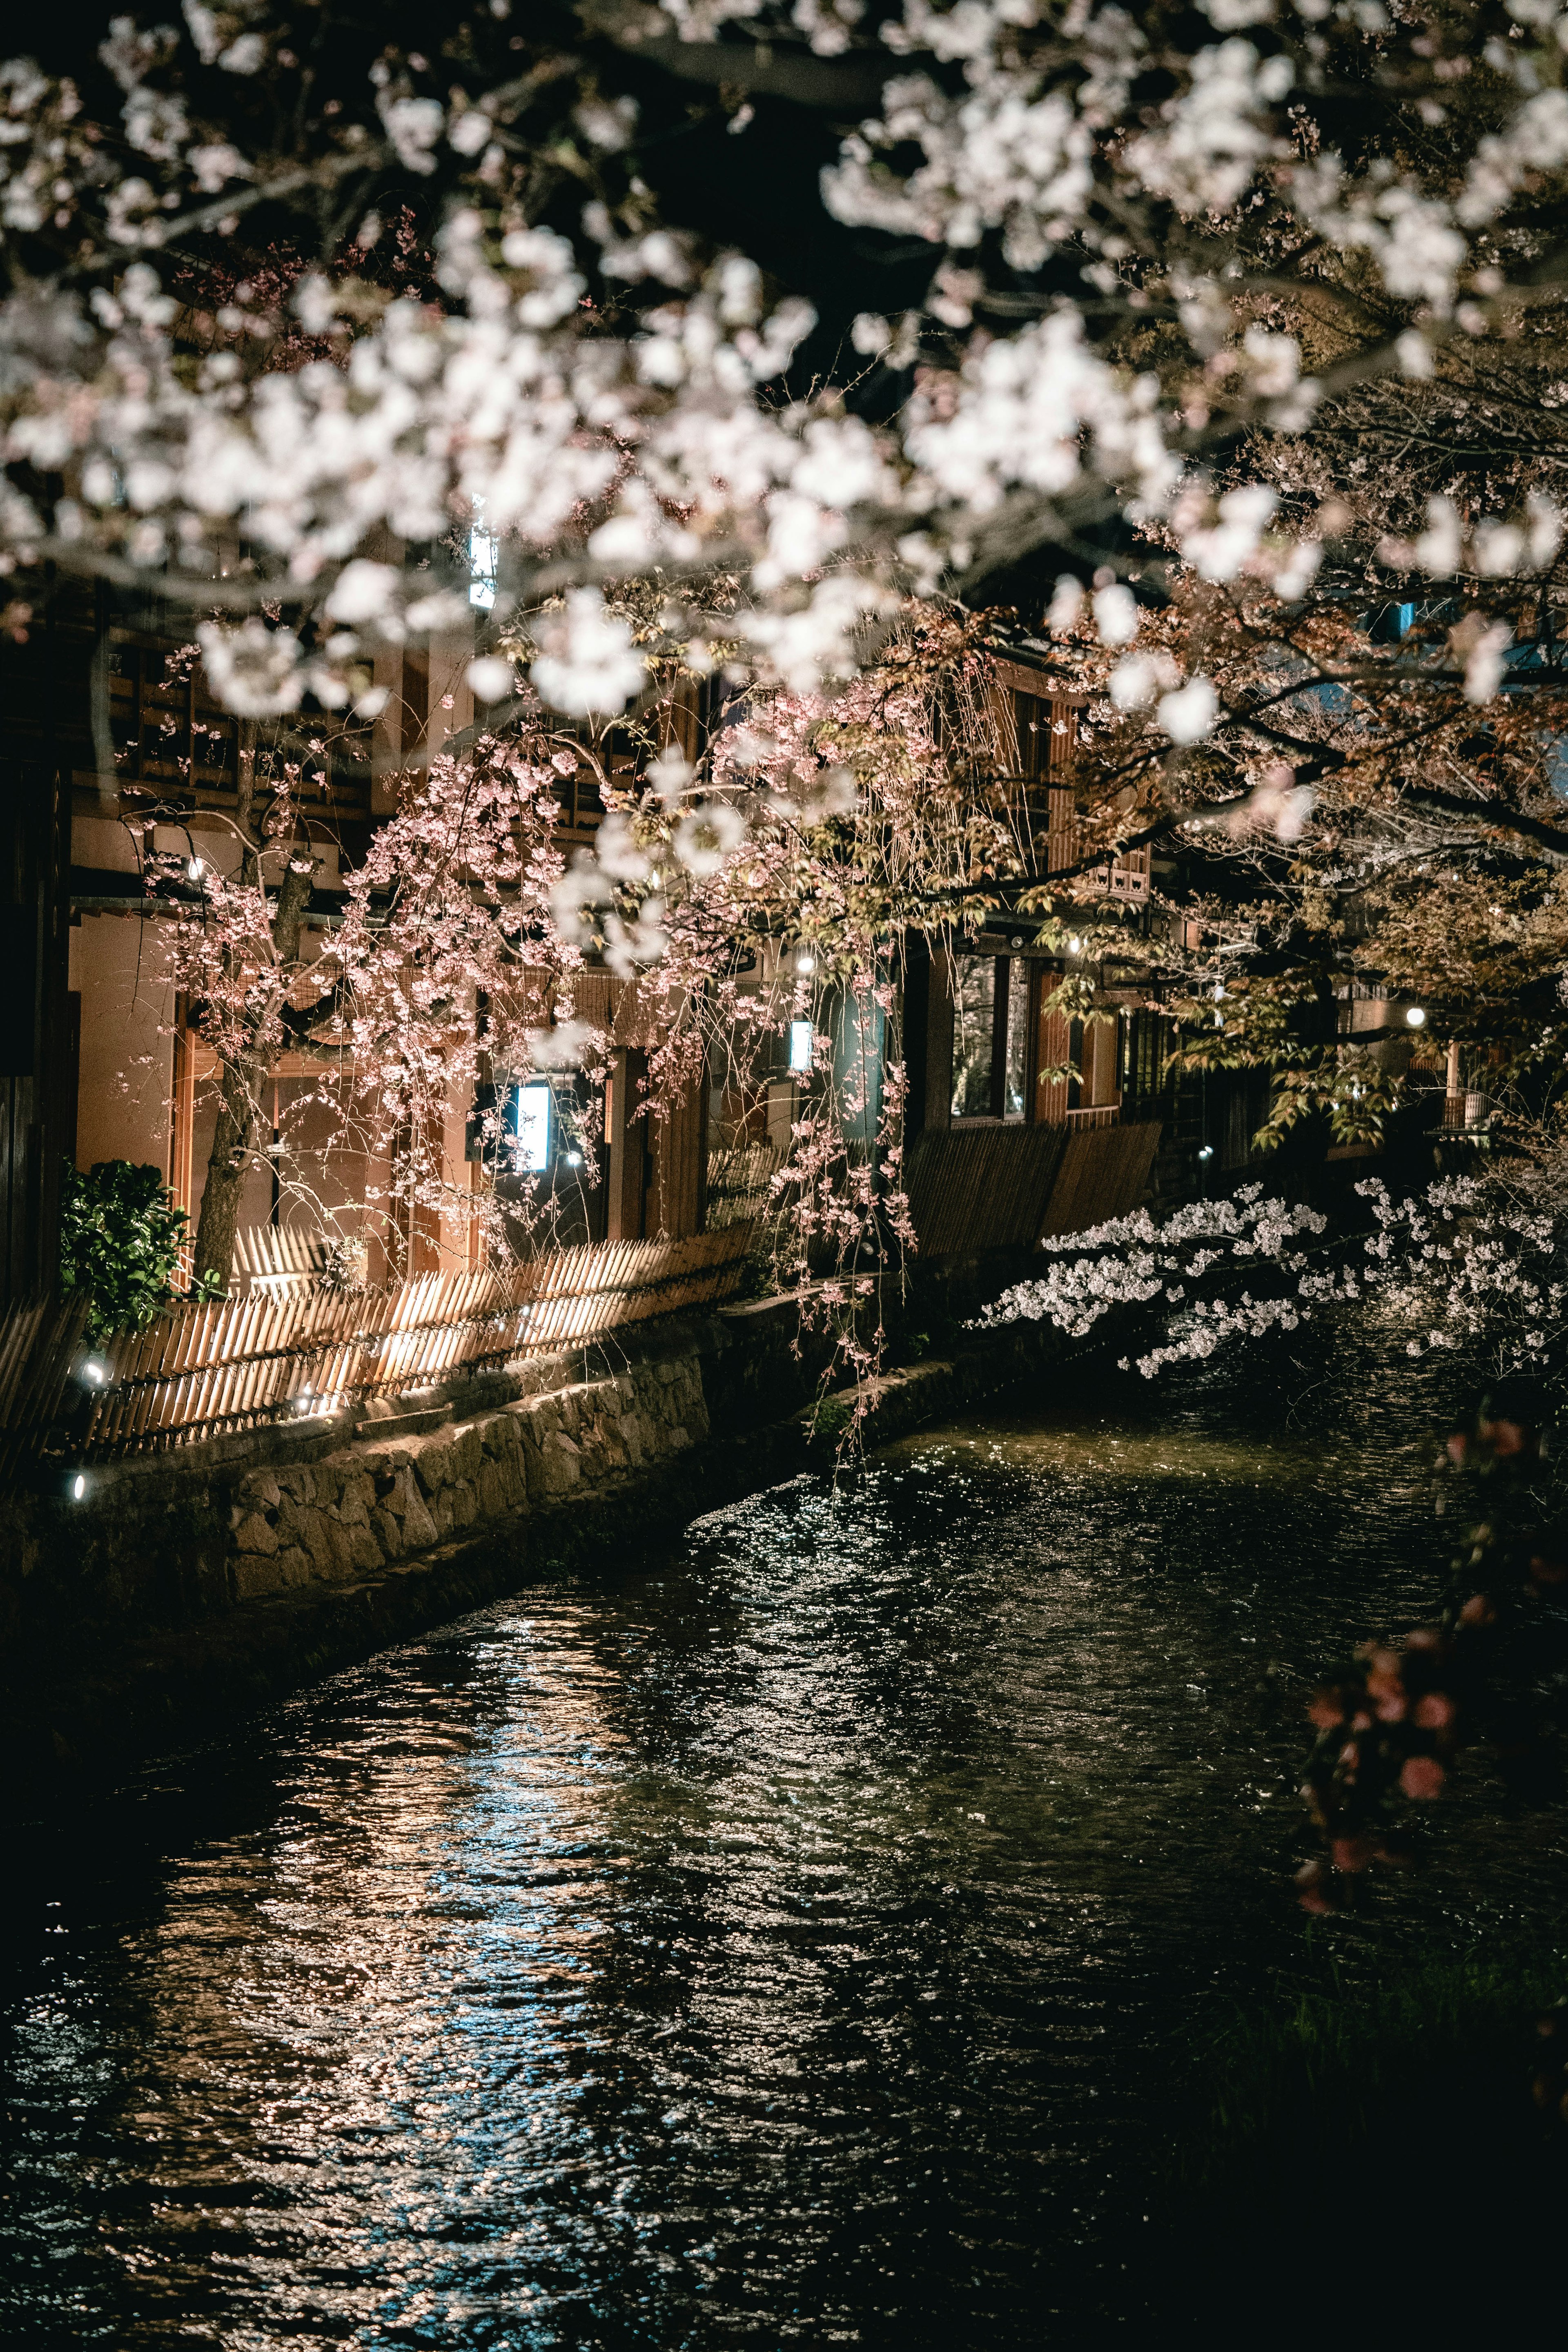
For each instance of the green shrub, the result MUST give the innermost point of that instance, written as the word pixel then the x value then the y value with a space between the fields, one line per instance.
pixel 1283 2087
pixel 831 1418
pixel 120 1237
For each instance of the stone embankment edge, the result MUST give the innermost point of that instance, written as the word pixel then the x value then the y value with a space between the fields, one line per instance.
pixel 97 1714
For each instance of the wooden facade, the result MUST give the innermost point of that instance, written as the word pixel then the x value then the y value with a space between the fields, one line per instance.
pixel 979 1173
pixel 1044 1124
pixel 44 711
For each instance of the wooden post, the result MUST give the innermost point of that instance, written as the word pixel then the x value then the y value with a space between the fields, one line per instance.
pixel 625 1144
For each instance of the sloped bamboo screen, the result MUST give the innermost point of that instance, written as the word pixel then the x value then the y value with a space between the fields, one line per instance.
pixel 738 1182
pixel 38 1342
pixel 251 1360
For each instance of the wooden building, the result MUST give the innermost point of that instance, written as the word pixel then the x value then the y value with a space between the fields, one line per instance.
pixel 1021 1122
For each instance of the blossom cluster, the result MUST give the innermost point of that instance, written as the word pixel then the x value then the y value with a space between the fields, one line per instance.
pixel 663 445
pixel 1461 1262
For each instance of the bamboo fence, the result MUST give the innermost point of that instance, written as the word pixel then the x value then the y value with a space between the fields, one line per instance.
pixel 284 1355
pixel 40 1341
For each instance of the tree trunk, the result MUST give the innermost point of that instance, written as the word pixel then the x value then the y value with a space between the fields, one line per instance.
pixel 239 1098
pixel 232 1143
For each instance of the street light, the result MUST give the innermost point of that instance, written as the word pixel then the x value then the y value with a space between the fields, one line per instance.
pixel 1416 1015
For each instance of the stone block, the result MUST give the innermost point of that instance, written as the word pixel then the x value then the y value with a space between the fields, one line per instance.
pixel 562 1464
pixel 388 1534
pixel 468 1452
pixel 254 1577
pixel 357 1500
pixel 314 1532
pixel 364 1551
pixel 433 1463
pixel 260 1492
pixel 254 1535
pixel 298 1483
pixel 464 1505
pixel 418 1527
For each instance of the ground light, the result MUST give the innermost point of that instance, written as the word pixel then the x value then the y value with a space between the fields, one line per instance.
pixel 1205 1152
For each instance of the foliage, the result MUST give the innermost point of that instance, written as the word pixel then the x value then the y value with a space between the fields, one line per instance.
pixel 1162 247
pixel 1248 317
pixel 1314 2070
pixel 832 1420
pixel 1393 1720
pixel 121 1239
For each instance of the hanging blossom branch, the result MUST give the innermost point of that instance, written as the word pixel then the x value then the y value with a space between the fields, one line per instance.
pixel 1463 1263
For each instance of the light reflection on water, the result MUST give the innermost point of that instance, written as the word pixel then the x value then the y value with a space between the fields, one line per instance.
pixel 775 1945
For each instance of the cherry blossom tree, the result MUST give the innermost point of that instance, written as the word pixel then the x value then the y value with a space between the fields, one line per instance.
pixel 1114 209
pixel 1189 275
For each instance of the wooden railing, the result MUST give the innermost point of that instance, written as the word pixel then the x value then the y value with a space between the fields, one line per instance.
pixel 1472 1109
pixel 290 1356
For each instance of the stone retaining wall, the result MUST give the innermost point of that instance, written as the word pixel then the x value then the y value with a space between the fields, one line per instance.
pixel 361 1510
pixel 190 1587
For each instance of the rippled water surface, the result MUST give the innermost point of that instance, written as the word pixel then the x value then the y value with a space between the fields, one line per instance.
pixel 779 1941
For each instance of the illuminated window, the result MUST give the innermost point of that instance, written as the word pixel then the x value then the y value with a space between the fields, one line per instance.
pixel 482 551
pixel 800 1033
pixel 532 1129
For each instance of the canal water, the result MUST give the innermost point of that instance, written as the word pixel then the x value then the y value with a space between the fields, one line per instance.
pixel 796 1937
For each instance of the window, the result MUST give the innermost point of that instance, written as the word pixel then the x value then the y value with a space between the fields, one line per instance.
pixel 482 552
pixel 974 1024
pixel 532 1129
pixel 990 1038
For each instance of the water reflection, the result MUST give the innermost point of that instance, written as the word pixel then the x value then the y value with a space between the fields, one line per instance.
pixel 776 1945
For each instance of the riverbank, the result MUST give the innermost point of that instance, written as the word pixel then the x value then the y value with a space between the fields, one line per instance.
pixel 185 1590
pixel 1377 2144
